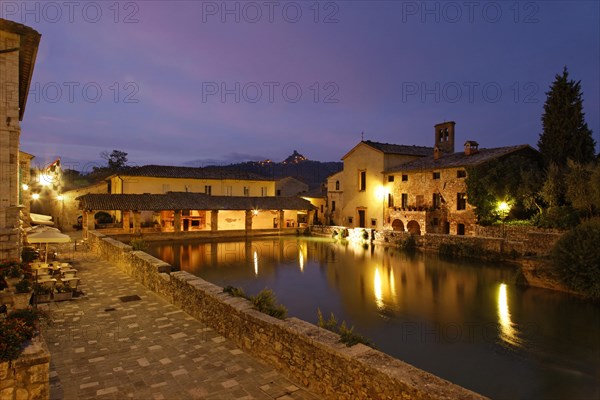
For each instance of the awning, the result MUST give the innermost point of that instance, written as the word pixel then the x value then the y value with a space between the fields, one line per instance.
pixel 41 219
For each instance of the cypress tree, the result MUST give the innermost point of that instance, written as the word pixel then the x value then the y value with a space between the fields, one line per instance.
pixel 565 133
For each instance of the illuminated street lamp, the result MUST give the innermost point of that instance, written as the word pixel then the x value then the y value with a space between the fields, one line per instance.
pixel 503 209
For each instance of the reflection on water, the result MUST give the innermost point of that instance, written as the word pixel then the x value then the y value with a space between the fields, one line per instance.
pixel 508 333
pixel 464 322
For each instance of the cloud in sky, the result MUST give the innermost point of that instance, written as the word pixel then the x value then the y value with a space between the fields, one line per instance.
pixel 180 84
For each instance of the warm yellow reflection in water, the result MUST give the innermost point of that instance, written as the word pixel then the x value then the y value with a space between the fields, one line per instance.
pixel 301 250
pixel 377 289
pixel 255 263
pixel 508 333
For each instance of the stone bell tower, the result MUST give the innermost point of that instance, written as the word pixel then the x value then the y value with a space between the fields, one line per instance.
pixel 444 139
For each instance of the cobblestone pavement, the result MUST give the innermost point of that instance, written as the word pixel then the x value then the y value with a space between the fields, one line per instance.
pixel 146 348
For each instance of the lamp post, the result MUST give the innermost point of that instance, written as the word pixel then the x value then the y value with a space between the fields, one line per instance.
pixel 503 209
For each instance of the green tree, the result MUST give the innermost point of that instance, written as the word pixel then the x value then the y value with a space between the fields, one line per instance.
pixel 579 187
pixel 554 189
pixel 116 160
pixel 515 179
pixel 565 133
pixel 576 257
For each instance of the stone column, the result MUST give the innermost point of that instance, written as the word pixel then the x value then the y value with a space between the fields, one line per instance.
pixel 88 222
pixel 311 217
pixel 137 222
pixel 177 221
pixel 281 217
pixel 214 220
pixel 125 218
pixel 248 221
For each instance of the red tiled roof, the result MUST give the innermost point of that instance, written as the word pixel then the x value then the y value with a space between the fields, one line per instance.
pixel 459 159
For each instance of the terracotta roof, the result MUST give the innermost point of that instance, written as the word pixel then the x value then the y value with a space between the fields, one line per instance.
pixel 30 40
pixel 389 148
pixel 458 159
pixel 167 171
pixel 188 201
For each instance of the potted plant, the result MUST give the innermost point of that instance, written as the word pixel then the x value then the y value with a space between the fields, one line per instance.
pixel 42 293
pixel 13 273
pixel 22 294
pixel 63 292
pixel 16 330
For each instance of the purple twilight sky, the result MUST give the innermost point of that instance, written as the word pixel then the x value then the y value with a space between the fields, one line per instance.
pixel 171 82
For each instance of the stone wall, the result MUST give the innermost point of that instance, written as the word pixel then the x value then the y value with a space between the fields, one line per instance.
pixel 302 351
pixel 10 236
pixel 523 240
pixel 27 377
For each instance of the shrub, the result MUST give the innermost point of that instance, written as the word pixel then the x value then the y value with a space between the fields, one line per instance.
pixel 23 286
pixel 42 289
pixel 18 327
pixel 265 302
pixel 235 292
pixel 347 335
pixel 138 244
pixel 407 243
pixel 576 257
pixel 564 217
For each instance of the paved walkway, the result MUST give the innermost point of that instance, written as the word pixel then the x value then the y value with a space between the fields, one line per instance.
pixel 103 347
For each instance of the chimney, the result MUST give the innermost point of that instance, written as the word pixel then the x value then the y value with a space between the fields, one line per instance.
pixel 436 153
pixel 444 137
pixel 471 147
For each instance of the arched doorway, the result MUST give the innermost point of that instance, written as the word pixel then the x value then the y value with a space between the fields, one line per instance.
pixel 398 225
pixel 413 227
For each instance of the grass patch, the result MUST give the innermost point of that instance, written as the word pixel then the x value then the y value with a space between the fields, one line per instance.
pixel 265 301
pixel 347 335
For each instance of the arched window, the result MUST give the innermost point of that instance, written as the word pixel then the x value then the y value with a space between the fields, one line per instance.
pixel 337 185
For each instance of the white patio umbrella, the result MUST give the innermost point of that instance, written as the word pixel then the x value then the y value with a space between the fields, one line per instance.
pixel 48 236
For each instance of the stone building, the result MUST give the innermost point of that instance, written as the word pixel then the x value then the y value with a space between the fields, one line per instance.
pixel 18 51
pixel 289 186
pixel 357 195
pixel 162 179
pixel 429 195
pixel 197 212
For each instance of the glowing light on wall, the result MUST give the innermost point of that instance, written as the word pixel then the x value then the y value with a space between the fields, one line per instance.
pixel 255 263
pixel 35 196
pixel 508 333
pixel 60 197
pixel 25 186
pixel 381 192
